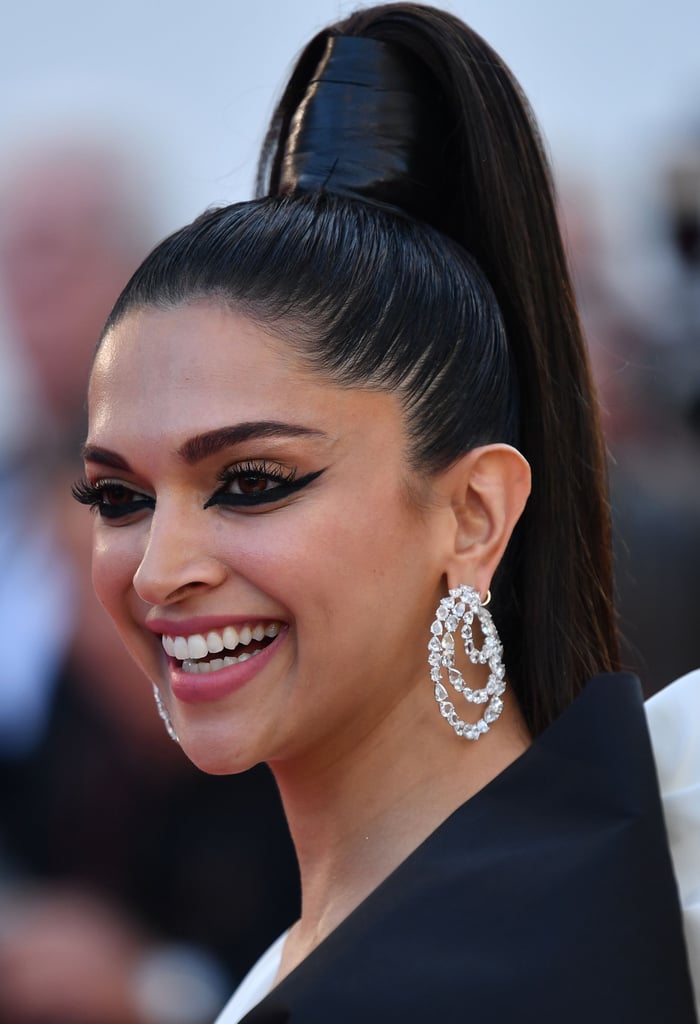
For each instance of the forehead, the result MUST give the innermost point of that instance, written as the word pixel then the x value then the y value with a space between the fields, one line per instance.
pixel 190 369
pixel 195 338
pixel 191 356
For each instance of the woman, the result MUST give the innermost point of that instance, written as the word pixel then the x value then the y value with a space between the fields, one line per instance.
pixel 325 427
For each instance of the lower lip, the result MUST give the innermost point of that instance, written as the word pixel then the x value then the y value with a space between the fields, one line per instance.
pixel 199 687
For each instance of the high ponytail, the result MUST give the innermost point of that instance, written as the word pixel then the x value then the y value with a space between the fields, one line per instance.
pixel 376 297
pixel 553 596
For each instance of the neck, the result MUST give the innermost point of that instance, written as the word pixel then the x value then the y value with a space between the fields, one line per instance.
pixel 357 814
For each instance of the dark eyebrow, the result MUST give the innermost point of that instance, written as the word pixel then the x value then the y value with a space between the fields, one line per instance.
pixel 204 445
pixel 105 457
pixel 213 441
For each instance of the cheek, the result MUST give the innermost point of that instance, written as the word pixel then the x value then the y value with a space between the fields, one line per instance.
pixel 353 555
pixel 116 554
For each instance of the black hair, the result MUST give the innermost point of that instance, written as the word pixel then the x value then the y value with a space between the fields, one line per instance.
pixel 472 321
pixel 333 275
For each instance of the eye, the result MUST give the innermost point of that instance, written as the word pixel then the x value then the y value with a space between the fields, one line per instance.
pixel 252 483
pixel 113 499
pixel 246 485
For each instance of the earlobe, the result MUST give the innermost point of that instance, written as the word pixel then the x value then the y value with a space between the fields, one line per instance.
pixel 490 488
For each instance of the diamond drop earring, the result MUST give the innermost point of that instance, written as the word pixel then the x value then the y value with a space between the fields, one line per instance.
pixel 163 712
pixel 464 603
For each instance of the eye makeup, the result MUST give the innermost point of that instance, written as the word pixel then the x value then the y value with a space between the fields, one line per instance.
pixel 113 499
pixel 250 484
pixel 244 485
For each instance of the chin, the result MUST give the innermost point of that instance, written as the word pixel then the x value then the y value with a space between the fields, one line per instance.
pixel 216 755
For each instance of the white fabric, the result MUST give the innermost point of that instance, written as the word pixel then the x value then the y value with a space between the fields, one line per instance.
pixel 255 986
pixel 674 723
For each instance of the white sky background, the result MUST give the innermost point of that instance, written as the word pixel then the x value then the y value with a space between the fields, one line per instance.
pixel 615 83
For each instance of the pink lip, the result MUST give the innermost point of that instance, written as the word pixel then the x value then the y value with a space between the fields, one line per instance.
pixel 204 624
pixel 195 688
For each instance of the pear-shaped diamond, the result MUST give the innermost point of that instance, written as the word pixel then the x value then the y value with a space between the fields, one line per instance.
pixel 440 692
pixel 456 679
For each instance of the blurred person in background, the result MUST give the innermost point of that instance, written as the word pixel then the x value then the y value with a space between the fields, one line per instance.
pixel 647 369
pixel 110 876
pixel 73 226
pixel 66 246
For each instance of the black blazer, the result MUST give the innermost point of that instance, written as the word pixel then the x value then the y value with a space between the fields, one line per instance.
pixel 548 898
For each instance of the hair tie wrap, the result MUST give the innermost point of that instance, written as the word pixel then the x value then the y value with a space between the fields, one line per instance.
pixel 369 126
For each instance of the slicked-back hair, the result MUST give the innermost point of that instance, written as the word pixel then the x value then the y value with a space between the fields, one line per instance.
pixel 471 321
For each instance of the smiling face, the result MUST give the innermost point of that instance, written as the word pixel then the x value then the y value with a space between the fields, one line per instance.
pixel 256 539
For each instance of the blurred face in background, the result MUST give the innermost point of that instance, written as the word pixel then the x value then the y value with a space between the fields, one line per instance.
pixel 66 250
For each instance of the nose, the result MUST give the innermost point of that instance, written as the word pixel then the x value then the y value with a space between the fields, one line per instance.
pixel 178 560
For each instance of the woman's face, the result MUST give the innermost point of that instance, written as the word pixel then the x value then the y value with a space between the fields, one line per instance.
pixel 256 540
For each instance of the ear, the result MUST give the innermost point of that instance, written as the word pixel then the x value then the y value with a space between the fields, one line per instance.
pixel 488 489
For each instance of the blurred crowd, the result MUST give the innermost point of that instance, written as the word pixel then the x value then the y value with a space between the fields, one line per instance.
pixel 133 889
pixel 643 331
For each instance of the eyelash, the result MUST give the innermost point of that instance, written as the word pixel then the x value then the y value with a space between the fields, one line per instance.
pixel 287 483
pixel 94 495
pixel 286 480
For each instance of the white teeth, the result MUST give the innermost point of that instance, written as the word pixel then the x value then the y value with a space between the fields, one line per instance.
pixel 180 648
pixel 197 646
pixel 204 667
pixel 230 638
pixel 192 649
pixel 215 643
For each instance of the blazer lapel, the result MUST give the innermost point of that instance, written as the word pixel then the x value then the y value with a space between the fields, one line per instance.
pixel 547 897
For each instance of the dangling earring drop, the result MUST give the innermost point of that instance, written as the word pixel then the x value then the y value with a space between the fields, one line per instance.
pixel 464 603
pixel 163 712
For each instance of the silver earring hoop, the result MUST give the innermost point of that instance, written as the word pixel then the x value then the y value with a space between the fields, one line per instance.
pixel 464 604
pixel 163 712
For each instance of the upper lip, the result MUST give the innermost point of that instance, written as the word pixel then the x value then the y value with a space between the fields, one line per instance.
pixel 205 624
